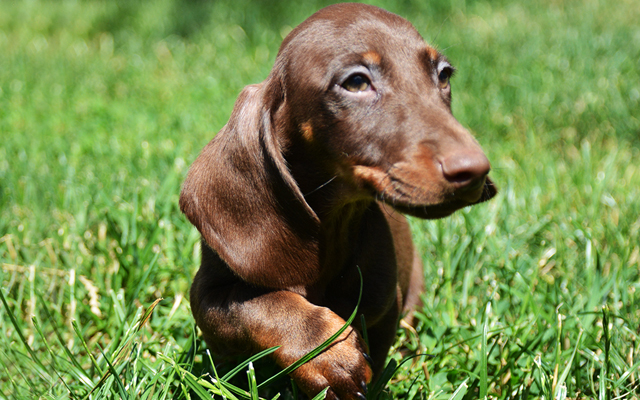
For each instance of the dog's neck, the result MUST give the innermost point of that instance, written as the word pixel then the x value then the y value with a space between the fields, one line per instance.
pixel 336 200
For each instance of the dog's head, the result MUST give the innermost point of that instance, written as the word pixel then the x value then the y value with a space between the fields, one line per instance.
pixel 361 85
pixel 356 101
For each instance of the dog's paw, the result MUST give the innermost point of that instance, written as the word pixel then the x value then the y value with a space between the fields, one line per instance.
pixel 344 366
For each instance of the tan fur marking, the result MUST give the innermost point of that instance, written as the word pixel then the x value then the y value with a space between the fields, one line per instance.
pixel 433 53
pixel 372 57
pixel 307 131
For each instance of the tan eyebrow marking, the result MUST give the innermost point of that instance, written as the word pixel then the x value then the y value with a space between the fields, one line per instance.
pixel 432 53
pixel 372 57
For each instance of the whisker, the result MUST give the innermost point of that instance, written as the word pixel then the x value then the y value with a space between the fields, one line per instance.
pixel 393 200
pixel 440 30
pixel 321 186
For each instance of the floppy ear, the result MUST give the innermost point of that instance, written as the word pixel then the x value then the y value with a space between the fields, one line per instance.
pixel 245 203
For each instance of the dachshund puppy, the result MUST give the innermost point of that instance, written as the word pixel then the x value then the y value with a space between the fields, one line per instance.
pixel 305 183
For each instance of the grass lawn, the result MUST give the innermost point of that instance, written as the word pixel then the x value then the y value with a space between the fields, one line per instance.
pixel 105 104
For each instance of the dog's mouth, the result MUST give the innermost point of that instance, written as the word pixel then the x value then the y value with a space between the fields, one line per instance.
pixel 427 199
pixel 447 207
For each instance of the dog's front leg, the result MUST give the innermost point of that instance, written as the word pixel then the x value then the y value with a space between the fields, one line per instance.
pixel 240 317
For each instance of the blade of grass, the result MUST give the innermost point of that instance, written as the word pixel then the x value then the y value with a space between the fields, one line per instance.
pixel 460 391
pixel 294 389
pixel 382 381
pixel 604 391
pixel 144 279
pixel 124 346
pixel 483 357
pixel 217 381
pixel 389 371
pixel 119 308
pixel 86 348
pixel 626 374
pixel 545 376
pixel 321 395
pixel 196 386
pixel 365 336
pixel 253 385
pixel 558 351
pixel 147 314
pixel 16 326
pixel 567 368
pixel 122 352
pixel 220 387
pixel 56 331
pixel 9 375
pixel 116 377
pixel 249 360
pixel 36 325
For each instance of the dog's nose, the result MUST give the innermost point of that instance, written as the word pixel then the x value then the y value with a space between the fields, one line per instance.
pixel 464 169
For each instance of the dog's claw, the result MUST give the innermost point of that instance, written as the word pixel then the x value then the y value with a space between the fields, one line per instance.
pixel 360 396
pixel 368 358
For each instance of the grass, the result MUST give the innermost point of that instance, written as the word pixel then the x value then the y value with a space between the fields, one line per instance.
pixel 103 105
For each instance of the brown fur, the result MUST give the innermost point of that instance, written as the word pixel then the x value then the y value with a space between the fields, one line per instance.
pixel 304 184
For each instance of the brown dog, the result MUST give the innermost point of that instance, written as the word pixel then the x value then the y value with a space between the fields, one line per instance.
pixel 301 188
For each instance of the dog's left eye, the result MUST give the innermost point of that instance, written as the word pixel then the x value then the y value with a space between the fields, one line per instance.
pixel 445 71
pixel 357 83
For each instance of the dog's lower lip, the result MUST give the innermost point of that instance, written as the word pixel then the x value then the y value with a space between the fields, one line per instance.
pixel 428 211
pixel 473 186
pixel 470 193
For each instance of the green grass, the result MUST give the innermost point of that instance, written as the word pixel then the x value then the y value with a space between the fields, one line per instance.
pixel 104 104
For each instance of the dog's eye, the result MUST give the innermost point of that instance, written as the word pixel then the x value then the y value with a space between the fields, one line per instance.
pixel 357 83
pixel 444 75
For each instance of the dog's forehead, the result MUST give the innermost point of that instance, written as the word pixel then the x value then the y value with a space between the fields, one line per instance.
pixel 353 28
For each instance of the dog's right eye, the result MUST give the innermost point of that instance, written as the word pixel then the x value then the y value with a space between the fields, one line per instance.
pixel 357 83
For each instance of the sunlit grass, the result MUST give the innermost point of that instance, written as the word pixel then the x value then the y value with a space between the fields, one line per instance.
pixel 103 105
